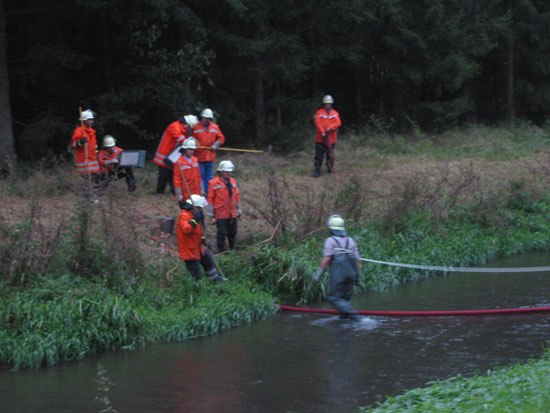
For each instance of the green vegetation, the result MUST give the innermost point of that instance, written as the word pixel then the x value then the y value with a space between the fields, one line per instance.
pixel 521 388
pixel 69 318
pixel 78 280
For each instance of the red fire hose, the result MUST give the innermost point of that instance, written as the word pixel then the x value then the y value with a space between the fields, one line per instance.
pixel 501 311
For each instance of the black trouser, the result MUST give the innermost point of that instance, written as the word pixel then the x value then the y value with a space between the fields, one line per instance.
pixel 207 262
pixel 322 151
pixel 227 228
pixel 166 176
pixel 125 172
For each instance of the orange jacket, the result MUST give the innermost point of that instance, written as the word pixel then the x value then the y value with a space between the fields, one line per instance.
pixel 324 120
pixel 206 137
pixel 104 155
pixel 82 164
pixel 189 238
pixel 172 136
pixel 191 172
pixel 218 195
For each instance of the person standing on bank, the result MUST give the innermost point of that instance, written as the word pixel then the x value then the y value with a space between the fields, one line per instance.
pixel 109 158
pixel 174 135
pixel 327 122
pixel 187 168
pixel 341 254
pixel 208 134
pixel 224 205
pixel 191 239
pixel 84 144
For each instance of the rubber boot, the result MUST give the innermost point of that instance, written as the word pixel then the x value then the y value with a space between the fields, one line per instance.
pixel 317 172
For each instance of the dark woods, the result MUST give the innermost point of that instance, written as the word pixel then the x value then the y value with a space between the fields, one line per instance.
pixel 263 66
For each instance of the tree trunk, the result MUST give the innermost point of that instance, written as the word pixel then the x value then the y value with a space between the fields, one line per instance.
pixel 260 107
pixel 7 145
pixel 510 109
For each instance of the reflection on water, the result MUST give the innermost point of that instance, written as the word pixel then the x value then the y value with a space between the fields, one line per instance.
pixel 308 362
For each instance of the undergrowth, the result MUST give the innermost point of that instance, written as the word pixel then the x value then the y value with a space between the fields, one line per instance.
pixel 521 388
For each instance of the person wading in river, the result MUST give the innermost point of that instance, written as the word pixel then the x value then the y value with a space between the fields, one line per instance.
pixel 341 253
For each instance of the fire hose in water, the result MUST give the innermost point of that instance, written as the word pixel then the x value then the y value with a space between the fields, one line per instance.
pixel 447 313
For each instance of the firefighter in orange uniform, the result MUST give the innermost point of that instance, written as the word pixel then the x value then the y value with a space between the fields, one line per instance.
pixel 109 158
pixel 187 166
pixel 84 144
pixel 208 134
pixel 327 122
pixel 224 205
pixel 191 239
pixel 174 135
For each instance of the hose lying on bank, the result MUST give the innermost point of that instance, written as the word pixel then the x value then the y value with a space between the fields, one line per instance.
pixel 501 311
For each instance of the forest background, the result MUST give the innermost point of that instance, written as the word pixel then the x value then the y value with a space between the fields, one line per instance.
pixel 262 66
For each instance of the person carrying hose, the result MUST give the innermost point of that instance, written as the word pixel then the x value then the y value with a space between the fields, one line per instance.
pixel 327 122
pixel 191 239
pixel 341 254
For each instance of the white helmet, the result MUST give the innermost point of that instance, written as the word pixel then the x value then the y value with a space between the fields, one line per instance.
pixel 108 141
pixel 327 99
pixel 336 223
pixel 189 143
pixel 87 114
pixel 191 120
pixel 207 113
pixel 197 201
pixel 226 166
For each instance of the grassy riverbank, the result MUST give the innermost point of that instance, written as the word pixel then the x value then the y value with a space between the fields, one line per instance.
pixel 78 279
pixel 521 388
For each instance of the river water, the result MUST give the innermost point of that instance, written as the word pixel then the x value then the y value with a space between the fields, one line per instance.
pixel 306 362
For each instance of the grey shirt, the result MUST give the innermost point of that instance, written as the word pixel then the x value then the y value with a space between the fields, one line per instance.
pixel 330 246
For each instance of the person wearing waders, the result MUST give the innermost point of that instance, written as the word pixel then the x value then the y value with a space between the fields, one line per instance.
pixel 341 254
pixel 191 240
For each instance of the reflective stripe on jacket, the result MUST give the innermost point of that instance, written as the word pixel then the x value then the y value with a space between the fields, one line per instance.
pixel 172 136
pixel 191 171
pixel 324 120
pixel 82 164
pixel 189 238
pixel 104 155
pixel 218 196
pixel 206 137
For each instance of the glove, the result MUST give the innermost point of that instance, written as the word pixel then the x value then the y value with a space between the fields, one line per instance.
pixel 215 146
pixel 83 141
pixel 193 223
pixel 318 274
pixel 181 204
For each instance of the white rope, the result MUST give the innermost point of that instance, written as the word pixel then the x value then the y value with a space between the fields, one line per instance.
pixel 458 269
